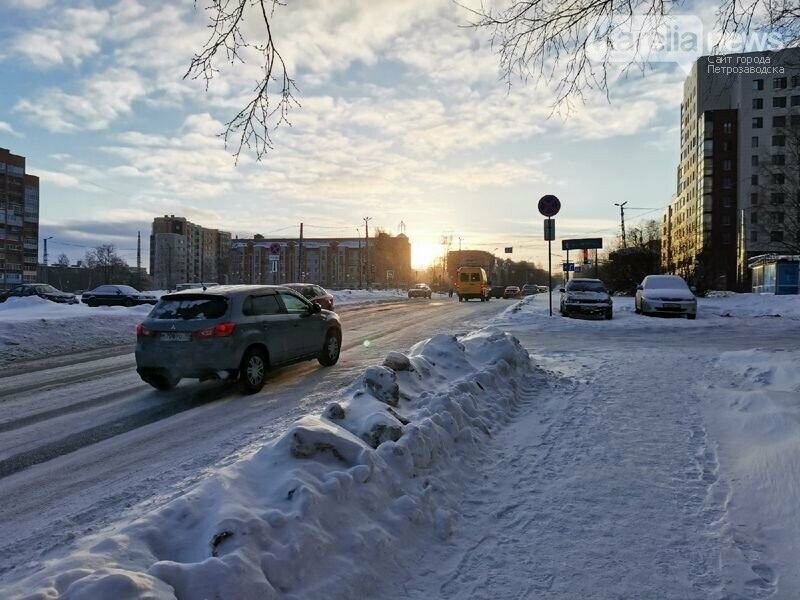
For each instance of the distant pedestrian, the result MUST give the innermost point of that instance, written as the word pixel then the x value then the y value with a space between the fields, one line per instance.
pixel 450 292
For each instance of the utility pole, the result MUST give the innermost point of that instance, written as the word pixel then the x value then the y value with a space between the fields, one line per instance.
pixel 360 261
pixel 366 246
pixel 46 268
pixel 300 256
pixel 622 221
pixel 138 259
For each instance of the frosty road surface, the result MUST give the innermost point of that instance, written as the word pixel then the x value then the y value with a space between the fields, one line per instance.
pixel 88 444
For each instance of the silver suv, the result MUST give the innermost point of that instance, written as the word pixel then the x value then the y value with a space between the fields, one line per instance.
pixel 233 331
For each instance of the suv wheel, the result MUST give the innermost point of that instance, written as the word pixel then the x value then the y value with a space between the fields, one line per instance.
pixel 331 349
pixel 162 383
pixel 253 371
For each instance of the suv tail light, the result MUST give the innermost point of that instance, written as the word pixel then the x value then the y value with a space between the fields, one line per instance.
pixel 142 331
pixel 221 330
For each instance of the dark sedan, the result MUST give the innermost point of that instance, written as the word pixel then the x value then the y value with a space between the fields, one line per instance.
pixel 117 295
pixel 313 293
pixel 43 290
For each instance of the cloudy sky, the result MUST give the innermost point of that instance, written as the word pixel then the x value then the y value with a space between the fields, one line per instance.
pixel 403 118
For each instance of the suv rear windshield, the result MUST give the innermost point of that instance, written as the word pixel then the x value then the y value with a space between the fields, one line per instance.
pixel 190 307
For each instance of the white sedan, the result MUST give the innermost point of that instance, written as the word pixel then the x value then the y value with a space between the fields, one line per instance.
pixel 665 294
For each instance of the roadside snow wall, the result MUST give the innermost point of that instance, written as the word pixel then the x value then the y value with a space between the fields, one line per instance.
pixel 315 513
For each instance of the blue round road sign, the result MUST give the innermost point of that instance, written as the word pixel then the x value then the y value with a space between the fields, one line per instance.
pixel 549 205
pixel 275 248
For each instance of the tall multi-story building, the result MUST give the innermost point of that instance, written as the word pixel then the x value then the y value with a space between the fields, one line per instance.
pixel 181 251
pixel 383 261
pixel 19 221
pixel 738 117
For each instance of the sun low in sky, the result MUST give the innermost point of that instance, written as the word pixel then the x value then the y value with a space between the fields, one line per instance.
pixel 402 117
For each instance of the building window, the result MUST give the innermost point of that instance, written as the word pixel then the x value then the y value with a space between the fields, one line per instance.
pixel 727 183
pixel 754 141
pixel 726 238
pixel 754 218
pixel 758 84
pixel 778 140
pixel 727 165
pixel 795 100
pixel 726 219
pixel 779 83
pixel 754 160
pixel 727 202
pixel 777 218
pixel 727 127
pixel 795 120
pixel 758 103
pixel 775 236
pixel 753 179
pixel 778 159
pixel 795 80
pixel 779 121
pixel 779 102
pixel 753 198
pixel 753 236
pixel 758 122
pixel 778 178
pixel 777 197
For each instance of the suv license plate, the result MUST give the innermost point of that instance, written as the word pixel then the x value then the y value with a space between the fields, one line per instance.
pixel 176 337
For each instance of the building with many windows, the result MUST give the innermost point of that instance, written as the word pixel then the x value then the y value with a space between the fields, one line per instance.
pixel 382 261
pixel 183 252
pixel 740 117
pixel 19 221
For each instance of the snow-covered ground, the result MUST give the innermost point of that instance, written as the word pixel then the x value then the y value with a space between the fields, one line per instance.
pixel 635 458
pixel 33 327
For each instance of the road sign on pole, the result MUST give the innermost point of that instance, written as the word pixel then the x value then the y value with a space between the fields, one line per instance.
pixel 549 230
pixel 549 206
pixel 582 244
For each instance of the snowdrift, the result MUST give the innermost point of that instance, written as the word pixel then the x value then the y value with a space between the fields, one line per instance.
pixel 313 513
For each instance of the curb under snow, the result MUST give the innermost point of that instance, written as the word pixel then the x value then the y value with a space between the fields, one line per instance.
pixel 311 512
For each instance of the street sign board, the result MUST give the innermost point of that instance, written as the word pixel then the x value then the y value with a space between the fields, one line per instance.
pixel 549 230
pixel 274 257
pixel 275 248
pixel 568 266
pixel 549 205
pixel 577 268
pixel 582 244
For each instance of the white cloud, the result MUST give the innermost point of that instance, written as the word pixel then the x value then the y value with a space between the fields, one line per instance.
pixel 30 4
pixel 72 37
pixel 103 98
pixel 7 128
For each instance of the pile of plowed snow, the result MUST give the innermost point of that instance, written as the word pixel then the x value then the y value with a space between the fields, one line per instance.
pixel 314 513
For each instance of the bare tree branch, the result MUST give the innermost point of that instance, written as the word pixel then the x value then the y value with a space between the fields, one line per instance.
pixel 274 93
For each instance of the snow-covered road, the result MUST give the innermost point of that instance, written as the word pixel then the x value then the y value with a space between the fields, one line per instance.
pixel 613 484
pixel 87 444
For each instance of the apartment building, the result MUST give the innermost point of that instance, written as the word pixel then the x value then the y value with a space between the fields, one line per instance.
pixel 383 261
pixel 739 115
pixel 181 252
pixel 19 221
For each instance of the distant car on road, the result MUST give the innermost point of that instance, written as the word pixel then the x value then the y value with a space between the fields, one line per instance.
pixel 665 294
pixel 586 297
pixel 233 332
pixel 42 290
pixel 117 295
pixel 421 290
pixel 529 289
pixel 497 291
pixel 542 289
pixel 511 291
pixel 313 293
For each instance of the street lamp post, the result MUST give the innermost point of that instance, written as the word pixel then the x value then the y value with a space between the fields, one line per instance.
pixel 45 257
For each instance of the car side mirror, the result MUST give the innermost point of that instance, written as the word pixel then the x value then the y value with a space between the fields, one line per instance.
pixel 562 290
pixel 316 307
pixel 639 287
pixel 693 288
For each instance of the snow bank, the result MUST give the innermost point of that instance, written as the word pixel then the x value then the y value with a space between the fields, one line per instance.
pixel 755 415
pixel 313 513
pixel 711 312
pixel 345 297
pixel 33 327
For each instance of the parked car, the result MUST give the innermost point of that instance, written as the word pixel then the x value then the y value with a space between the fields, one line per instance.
pixel 421 290
pixel 497 291
pixel 511 291
pixel 117 295
pixel 586 297
pixel 542 289
pixel 665 294
pixel 472 282
pixel 529 289
pixel 313 293
pixel 233 332
pixel 43 290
